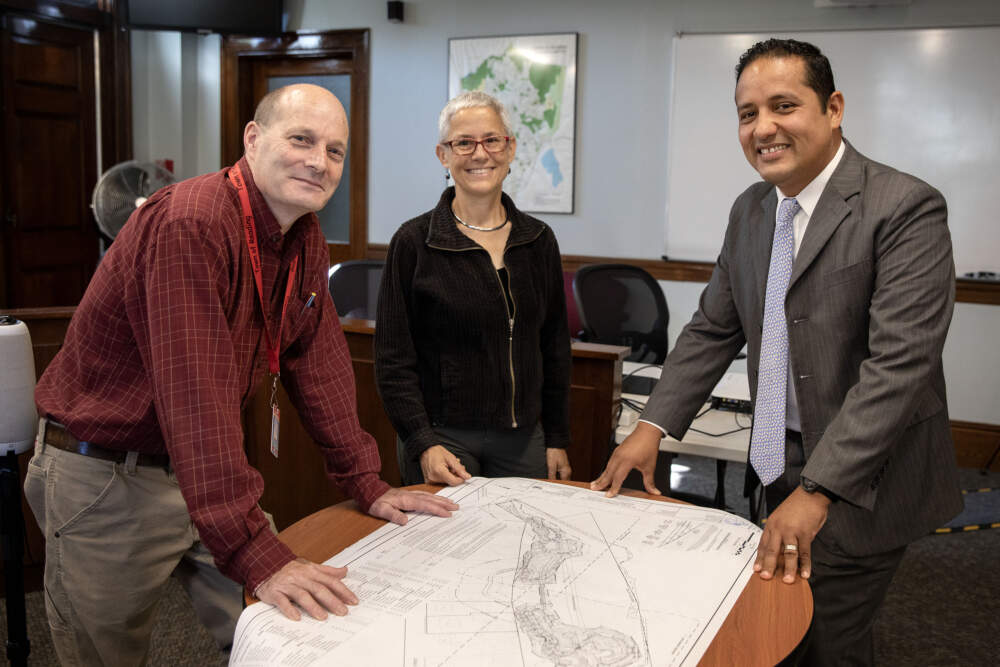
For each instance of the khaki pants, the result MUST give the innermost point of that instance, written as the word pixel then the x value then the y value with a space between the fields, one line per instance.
pixel 114 533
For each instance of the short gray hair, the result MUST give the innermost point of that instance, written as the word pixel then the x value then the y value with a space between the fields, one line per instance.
pixel 471 100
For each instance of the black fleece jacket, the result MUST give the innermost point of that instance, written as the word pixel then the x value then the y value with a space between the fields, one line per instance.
pixel 445 352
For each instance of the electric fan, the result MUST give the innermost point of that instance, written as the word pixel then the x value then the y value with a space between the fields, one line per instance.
pixel 122 189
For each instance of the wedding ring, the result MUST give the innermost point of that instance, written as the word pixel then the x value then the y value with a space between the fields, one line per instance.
pixel 791 547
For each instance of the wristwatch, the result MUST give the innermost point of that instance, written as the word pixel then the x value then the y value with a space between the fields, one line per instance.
pixel 809 486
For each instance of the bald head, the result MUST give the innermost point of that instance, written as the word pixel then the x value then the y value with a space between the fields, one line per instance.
pixel 279 99
pixel 295 146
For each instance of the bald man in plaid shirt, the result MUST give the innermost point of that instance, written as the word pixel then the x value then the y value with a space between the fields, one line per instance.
pixel 139 469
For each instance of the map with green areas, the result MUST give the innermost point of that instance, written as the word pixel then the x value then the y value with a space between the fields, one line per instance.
pixel 535 78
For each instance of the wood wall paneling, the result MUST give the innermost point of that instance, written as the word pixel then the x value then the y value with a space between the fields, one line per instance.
pixel 977 291
pixel 966 291
pixel 976 444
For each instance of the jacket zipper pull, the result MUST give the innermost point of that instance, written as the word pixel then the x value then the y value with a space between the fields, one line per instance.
pixel 510 353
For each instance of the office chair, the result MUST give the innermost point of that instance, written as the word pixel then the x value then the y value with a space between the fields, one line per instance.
pixel 620 304
pixel 354 287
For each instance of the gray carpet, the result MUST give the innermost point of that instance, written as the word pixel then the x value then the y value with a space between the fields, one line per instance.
pixel 941 609
pixel 982 509
pixel 178 640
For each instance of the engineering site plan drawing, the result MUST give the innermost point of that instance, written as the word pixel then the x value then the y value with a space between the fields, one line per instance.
pixel 526 573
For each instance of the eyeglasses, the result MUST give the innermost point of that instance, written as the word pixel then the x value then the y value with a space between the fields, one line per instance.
pixel 468 146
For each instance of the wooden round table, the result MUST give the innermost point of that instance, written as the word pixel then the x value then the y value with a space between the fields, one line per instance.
pixel 765 625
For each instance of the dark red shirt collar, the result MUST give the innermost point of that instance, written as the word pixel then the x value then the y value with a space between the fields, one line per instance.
pixel 268 229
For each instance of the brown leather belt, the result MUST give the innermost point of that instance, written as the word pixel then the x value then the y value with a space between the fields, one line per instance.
pixel 57 436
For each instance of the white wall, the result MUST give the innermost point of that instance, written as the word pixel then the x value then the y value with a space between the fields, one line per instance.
pixel 623 77
pixel 175 100
pixel 623 103
pixel 950 138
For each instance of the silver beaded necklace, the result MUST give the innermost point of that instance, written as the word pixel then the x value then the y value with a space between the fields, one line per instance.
pixel 480 229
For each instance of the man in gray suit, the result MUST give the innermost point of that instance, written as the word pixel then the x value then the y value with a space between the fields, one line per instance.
pixel 837 274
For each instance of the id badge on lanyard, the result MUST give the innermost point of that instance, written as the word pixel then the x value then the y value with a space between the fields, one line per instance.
pixel 273 346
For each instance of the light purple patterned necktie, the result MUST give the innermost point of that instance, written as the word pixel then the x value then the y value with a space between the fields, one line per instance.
pixel 767 444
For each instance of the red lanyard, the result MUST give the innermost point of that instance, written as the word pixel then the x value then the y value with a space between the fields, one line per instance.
pixel 250 231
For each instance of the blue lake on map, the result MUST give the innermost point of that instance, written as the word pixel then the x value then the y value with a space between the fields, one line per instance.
pixel 551 165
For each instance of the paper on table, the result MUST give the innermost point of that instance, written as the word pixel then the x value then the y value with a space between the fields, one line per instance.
pixel 528 573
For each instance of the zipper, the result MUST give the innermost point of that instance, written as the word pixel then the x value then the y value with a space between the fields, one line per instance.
pixel 510 360
pixel 510 320
pixel 510 340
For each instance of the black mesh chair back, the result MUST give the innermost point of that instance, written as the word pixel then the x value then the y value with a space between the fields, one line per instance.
pixel 620 304
pixel 354 287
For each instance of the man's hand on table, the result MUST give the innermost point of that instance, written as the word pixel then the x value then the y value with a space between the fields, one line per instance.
pixel 316 588
pixel 442 467
pixel 391 505
pixel 558 463
pixel 793 524
pixel 319 589
pixel 637 451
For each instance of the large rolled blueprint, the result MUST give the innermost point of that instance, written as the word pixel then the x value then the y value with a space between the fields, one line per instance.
pixel 525 573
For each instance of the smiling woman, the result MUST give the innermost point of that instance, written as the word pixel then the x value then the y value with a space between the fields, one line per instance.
pixel 478 174
pixel 472 351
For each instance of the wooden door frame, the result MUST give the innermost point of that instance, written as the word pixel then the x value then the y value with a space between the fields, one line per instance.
pixel 114 51
pixel 113 83
pixel 238 55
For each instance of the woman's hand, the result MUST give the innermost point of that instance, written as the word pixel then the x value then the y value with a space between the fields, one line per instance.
pixel 558 463
pixel 441 466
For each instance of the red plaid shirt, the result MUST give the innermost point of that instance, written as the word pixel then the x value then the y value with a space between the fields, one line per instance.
pixel 167 346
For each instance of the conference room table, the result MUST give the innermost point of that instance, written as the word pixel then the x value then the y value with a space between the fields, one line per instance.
pixel 722 435
pixel 766 625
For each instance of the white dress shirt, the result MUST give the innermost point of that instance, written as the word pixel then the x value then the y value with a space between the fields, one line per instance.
pixel 807 199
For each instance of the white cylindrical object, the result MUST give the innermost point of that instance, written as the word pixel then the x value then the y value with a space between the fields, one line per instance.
pixel 18 418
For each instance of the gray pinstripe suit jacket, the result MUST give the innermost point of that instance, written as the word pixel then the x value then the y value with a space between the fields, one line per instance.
pixel 868 308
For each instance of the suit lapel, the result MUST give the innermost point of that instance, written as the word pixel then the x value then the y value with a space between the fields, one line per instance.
pixel 762 238
pixel 831 210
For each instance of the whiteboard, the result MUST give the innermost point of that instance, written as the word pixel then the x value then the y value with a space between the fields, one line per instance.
pixel 925 101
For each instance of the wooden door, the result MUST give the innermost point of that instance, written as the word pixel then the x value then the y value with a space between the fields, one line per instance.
pixel 49 238
pixel 335 75
pixel 336 60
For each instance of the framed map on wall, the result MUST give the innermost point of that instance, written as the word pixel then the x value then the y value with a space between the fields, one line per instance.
pixel 535 78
